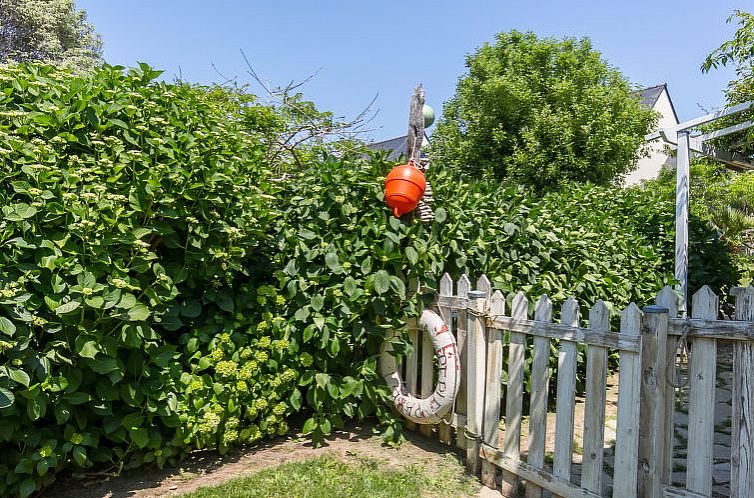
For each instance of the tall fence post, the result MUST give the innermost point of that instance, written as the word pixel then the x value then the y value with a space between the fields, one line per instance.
pixel 701 421
pixel 475 341
pixel 492 394
pixel 667 298
pixel 514 395
pixel 654 332
pixel 742 464
pixel 445 431
pixel 540 385
pixel 462 405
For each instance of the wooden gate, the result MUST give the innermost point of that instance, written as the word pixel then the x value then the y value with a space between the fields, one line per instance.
pixel 645 434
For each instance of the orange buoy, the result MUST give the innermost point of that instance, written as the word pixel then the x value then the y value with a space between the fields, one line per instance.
pixel 404 187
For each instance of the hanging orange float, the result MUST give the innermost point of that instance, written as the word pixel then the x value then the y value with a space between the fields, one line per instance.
pixel 404 187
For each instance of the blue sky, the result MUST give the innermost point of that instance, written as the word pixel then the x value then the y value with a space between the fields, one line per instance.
pixel 385 48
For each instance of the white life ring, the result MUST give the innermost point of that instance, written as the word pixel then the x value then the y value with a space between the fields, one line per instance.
pixel 428 410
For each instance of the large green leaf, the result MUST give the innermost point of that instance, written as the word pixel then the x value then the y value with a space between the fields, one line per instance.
pixel 68 307
pixel 6 398
pixel 138 312
pixel 6 326
pixel 333 262
pixel 19 376
pixel 381 282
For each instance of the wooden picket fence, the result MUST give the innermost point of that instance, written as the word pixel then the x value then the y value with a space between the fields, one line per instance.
pixel 646 344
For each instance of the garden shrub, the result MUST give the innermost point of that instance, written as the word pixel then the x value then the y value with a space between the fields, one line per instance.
pixel 343 262
pixel 132 221
pixel 163 287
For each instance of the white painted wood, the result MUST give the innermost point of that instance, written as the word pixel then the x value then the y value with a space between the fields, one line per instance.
pixel 446 286
pixel 559 331
pixel 682 218
pixel 412 369
pixel 445 429
pixel 594 403
pixel 671 492
pixel 483 284
pixel 514 394
pixel 654 328
pixel 726 330
pixel 668 298
pixel 476 361
pixel 491 424
pixel 456 302
pixel 463 286
pixel 627 430
pixel 742 447
pixel 565 400
pixel 427 374
pixel 701 420
pixel 560 487
pixel 540 383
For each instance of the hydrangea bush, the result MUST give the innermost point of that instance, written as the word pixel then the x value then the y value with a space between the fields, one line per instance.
pixel 164 287
pixel 133 236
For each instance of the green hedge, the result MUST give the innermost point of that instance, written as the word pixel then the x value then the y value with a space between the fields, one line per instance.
pixel 132 235
pixel 162 289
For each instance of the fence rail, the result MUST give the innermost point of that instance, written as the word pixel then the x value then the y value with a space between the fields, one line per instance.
pixel 489 337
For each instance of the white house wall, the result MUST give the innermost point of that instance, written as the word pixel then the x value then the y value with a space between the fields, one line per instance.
pixel 649 167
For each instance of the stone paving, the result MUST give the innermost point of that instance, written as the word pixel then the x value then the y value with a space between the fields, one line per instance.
pixel 723 407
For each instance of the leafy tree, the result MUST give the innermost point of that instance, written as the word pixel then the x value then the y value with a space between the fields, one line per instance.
pixel 48 30
pixel 738 53
pixel 541 111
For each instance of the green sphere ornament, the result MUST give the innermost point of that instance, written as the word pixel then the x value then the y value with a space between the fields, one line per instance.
pixel 429 115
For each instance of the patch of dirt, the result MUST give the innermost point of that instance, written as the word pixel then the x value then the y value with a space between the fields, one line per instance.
pixel 208 468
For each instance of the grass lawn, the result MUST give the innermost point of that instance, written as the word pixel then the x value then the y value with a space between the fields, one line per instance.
pixel 326 476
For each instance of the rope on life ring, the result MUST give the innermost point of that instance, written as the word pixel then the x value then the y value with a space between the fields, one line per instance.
pixel 427 410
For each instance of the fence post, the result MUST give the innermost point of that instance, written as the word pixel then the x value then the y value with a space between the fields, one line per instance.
pixel 491 425
pixel 475 342
pixel 463 287
pixel 446 290
pixel 654 332
pixel 701 420
pixel 629 404
pixel 667 298
pixel 514 395
pixel 565 398
pixel 540 384
pixel 594 403
pixel 742 460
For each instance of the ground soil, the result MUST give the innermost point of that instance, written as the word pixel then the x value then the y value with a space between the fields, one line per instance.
pixel 207 468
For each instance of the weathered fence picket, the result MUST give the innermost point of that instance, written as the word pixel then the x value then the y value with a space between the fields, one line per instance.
pixel 514 394
pixel 667 298
pixel 412 368
pixel 647 343
pixel 701 421
pixel 446 289
pixel 492 392
pixel 594 402
pixel 566 393
pixel 742 460
pixel 462 290
pixel 476 345
pixel 654 329
pixel 539 388
pixel 629 394
pixel 427 370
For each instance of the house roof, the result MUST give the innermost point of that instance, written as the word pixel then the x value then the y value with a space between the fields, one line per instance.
pixel 396 146
pixel 650 95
